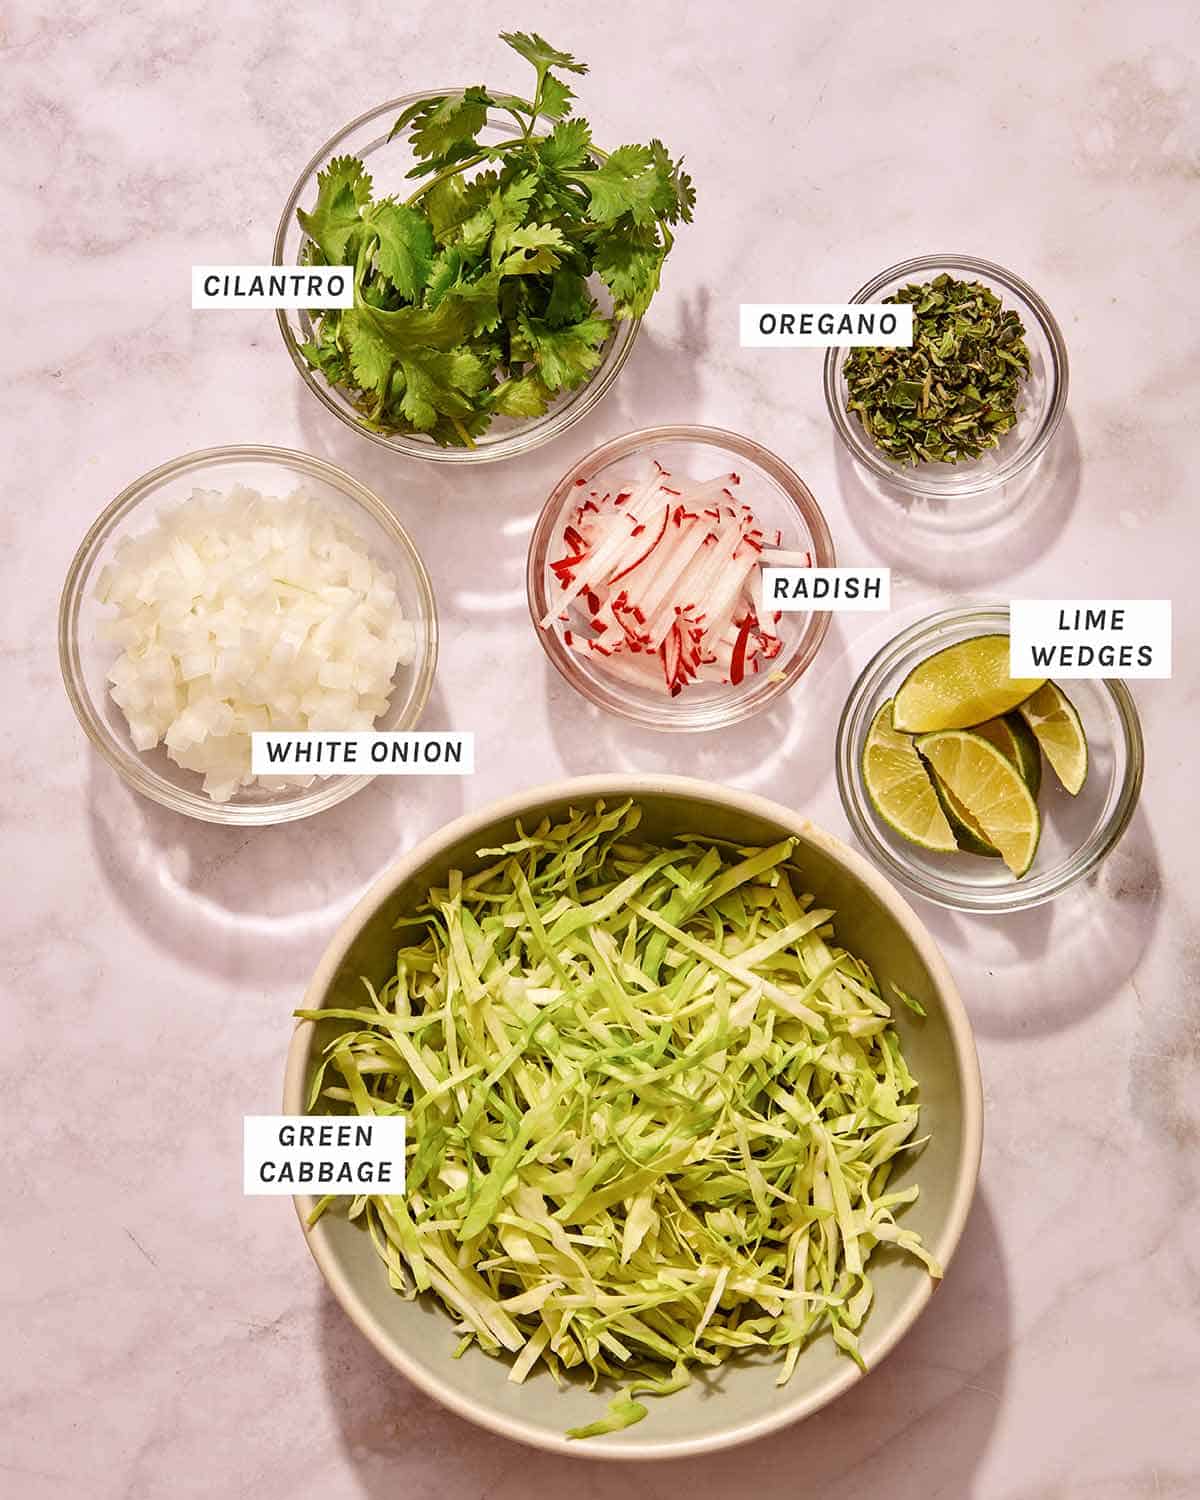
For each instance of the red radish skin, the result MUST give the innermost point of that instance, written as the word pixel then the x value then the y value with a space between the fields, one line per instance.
pixel 688 583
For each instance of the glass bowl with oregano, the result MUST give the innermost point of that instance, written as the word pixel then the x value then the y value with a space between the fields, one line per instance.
pixel 976 397
pixel 502 263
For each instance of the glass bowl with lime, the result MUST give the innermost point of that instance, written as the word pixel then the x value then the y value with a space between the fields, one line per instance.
pixel 976 790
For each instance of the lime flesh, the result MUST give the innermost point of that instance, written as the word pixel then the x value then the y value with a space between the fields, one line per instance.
pixel 899 787
pixel 1056 726
pixel 961 686
pixel 967 832
pixel 990 789
pixel 1014 738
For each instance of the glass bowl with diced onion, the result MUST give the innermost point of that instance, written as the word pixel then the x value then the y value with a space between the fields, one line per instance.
pixel 234 590
pixel 644 577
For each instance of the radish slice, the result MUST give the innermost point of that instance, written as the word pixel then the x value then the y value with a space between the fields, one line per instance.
pixel 659 583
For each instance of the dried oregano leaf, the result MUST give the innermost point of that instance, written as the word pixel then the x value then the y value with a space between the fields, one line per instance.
pixel 954 392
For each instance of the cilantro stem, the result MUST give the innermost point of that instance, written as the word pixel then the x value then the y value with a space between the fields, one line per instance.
pixel 456 169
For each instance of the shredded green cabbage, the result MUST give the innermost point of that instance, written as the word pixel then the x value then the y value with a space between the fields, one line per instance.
pixel 653 1108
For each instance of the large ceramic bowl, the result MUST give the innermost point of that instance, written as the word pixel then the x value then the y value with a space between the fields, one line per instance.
pixel 741 1401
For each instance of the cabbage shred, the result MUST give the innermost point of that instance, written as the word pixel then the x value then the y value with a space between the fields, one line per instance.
pixel 653 1108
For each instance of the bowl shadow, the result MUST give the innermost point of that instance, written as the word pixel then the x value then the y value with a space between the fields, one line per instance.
pixel 941 1390
pixel 967 541
pixel 257 904
pixel 1093 936
pixel 768 753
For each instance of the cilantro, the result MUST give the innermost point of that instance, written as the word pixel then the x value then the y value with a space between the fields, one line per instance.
pixel 343 189
pixel 567 145
pixel 475 297
pixel 540 53
pixel 405 250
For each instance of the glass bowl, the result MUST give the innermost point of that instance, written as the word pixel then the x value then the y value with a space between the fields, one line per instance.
pixel 388 161
pixel 781 501
pixel 1043 394
pixel 86 658
pixel 1077 832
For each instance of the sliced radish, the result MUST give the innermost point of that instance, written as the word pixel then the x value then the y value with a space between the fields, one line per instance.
pixel 659 582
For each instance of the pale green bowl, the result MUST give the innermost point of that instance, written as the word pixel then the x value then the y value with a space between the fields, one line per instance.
pixel 741 1401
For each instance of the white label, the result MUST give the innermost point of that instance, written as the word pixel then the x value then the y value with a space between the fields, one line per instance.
pixel 1090 638
pixel 845 589
pixel 363 752
pixel 287 1154
pixel 817 325
pixel 272 286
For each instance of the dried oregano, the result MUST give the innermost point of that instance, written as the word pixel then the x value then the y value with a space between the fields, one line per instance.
pixel 954 391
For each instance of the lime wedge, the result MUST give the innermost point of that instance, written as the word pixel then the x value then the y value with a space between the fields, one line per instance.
pixel 1014 738
pixel 899 786
pixel 991 790
pixel 967 832
pixel 1055 723
pixel 960 686
pixel 1029 757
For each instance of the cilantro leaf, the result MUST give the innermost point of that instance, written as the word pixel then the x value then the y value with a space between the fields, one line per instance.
pixel 443 274
pixel 563 356
pixel 325 353
pixel 476 231
pixel 477 302
pixel 372 358
pixel 567 145
pixel 446 121
pixel 343 188
pixel 540 53
pixel 512 201
pixel 676 195
pixel 527 397
pixel 446 205
pixel 405 250
pixel 570 301
pixel 465 150
pixel 630 266
pixel 436 384
pixel 527 249
pixel 556 98
pixel 627 183
pixel 409 328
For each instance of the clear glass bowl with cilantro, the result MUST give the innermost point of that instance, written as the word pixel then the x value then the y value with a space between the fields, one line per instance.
pixel 502 263
pixel 1040 397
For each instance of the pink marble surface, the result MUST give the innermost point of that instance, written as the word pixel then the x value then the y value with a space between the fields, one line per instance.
pixel 164 1336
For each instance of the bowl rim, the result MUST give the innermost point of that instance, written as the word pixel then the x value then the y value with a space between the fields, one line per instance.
pixel 524 439
pixel 667 718
pixel 911 480
pixel 1020 896
pixel 970 1091
pixel 132 769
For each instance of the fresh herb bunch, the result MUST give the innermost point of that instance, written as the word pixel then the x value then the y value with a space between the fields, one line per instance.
pixel 471 297
pixel 954 392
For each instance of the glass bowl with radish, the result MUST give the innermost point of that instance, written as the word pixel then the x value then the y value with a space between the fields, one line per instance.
pixel 645 576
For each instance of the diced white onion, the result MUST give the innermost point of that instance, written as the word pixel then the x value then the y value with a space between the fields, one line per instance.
pixel 240 612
